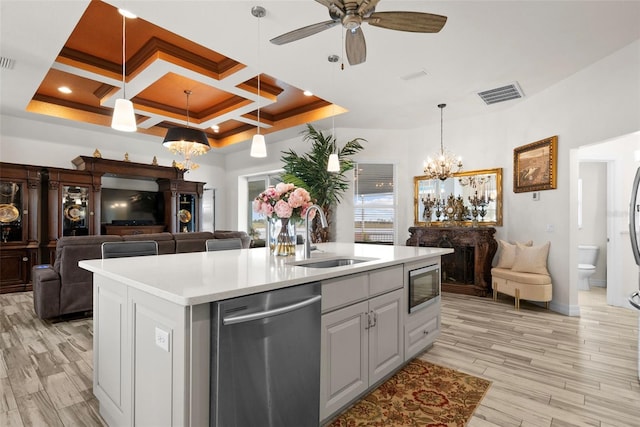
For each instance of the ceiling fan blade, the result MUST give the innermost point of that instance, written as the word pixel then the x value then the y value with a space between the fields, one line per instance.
pixel 416 22
pixel 303 32
pixel 356 46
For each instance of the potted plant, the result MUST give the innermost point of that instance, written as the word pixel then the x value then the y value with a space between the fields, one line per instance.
pixel 309 171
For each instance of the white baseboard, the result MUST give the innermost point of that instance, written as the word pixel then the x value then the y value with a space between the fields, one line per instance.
pixel 567 310
pixel 598 282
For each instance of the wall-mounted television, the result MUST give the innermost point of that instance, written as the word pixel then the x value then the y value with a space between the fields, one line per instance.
pixel 131 207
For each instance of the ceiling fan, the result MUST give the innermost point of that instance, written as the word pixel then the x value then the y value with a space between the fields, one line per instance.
pixel 352 13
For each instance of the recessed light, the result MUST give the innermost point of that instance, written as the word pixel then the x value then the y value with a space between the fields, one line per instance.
pixel 308 93
pixel 126 13
pixel 215 128
pixel 64 89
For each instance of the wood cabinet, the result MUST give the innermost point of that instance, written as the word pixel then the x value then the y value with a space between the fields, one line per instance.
pixel 127 371
pixel 182 199
pixel 38 205
pixel 468 269
pixel 386 351
pixel 362 342
pixel 421 330
pixel 183 205
pixel 19 241
pixel 72 201
pixel 131 230
pixel 343 370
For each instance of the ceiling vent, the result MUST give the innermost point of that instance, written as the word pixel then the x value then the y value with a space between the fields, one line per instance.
pixel 416 75
pixel 504 93
pixel 7 63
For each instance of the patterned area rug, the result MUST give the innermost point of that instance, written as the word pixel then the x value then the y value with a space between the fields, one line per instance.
pixel 420 394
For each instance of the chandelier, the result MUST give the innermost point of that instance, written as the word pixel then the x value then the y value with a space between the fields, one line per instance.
pixel 444 164
pixel 187 142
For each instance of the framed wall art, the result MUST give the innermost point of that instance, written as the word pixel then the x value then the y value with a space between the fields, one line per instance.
pixel 535 166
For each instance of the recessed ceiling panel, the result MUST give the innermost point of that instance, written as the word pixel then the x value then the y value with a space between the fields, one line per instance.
pixel 160 66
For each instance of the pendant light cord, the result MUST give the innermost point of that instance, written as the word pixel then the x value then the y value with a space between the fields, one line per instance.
pixel 441 107
pixel 188 92
pixel 124 46
pixel 259 18
pixel 441 131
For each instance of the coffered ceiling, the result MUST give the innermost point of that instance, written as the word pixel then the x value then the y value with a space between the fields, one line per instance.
pixel 216 48
pixel 160 66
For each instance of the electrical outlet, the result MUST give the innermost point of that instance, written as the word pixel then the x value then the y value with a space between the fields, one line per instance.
pixel 535 196
pixel 162 339
pixel 550 228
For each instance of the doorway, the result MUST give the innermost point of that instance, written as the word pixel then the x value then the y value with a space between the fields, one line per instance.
pixel 618 156
pixel 593 230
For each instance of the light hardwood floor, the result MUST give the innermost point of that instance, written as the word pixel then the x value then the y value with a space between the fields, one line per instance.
pixel 547 369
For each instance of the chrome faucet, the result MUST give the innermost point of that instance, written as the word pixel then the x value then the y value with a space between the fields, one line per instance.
pixel 307 238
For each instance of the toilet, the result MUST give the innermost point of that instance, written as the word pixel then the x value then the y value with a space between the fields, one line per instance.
pixel 587 258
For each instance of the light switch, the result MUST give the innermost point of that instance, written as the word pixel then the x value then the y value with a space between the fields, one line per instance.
pixel 162 339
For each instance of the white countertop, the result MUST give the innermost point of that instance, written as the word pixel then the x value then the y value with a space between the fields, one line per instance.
pixel 202 277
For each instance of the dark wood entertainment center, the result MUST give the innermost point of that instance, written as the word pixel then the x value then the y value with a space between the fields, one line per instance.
pixel 40 204
pixel 468 269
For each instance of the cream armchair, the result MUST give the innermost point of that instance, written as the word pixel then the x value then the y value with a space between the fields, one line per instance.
pixel 522 273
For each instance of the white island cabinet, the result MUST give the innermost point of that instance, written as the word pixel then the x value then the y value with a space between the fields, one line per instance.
pixel 152 323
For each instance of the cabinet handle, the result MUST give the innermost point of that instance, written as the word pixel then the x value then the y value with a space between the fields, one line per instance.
pixel 425 332
pixel 375 319
pixel 366 322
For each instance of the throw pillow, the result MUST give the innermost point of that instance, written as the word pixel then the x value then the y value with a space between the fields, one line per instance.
pixel 531 259
pixel 507 254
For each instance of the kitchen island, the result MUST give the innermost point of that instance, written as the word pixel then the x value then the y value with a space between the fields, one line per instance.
pixel 152 318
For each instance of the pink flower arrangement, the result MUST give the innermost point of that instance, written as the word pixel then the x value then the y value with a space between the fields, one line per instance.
pixel 283 201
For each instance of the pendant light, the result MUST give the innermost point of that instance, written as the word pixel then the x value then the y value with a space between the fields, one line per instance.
pixel 258 145
pixel 445 163
pixel 333 165
pixel 187 142
pixel 124 118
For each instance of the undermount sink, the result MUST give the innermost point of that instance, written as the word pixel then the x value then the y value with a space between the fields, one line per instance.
pixel 330 262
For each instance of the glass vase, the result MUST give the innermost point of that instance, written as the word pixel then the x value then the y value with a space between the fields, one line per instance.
pixel 282 236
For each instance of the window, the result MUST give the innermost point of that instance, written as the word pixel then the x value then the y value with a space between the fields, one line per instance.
pixel 374 203
pixel 257 222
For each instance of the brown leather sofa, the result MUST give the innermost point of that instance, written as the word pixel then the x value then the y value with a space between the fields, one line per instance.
pixel 65 288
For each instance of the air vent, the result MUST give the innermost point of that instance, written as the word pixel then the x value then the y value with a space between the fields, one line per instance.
pixel 416 75
pixel 504 93
pixel 7 63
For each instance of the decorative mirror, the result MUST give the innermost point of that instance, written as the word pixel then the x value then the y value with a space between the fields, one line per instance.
pixel 472 198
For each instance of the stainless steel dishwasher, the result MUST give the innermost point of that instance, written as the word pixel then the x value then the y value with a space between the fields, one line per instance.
pixel 265 359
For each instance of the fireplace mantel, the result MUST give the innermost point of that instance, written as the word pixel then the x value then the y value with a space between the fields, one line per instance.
pixel 476 244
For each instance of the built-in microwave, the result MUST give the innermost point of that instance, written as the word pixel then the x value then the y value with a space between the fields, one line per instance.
pixel 424 287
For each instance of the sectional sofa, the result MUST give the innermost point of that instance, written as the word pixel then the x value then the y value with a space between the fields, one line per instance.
pixel 64 288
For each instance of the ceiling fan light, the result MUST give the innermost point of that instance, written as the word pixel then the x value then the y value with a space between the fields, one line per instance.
pixel 258 146
pixel 124 119
pixel 333 165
